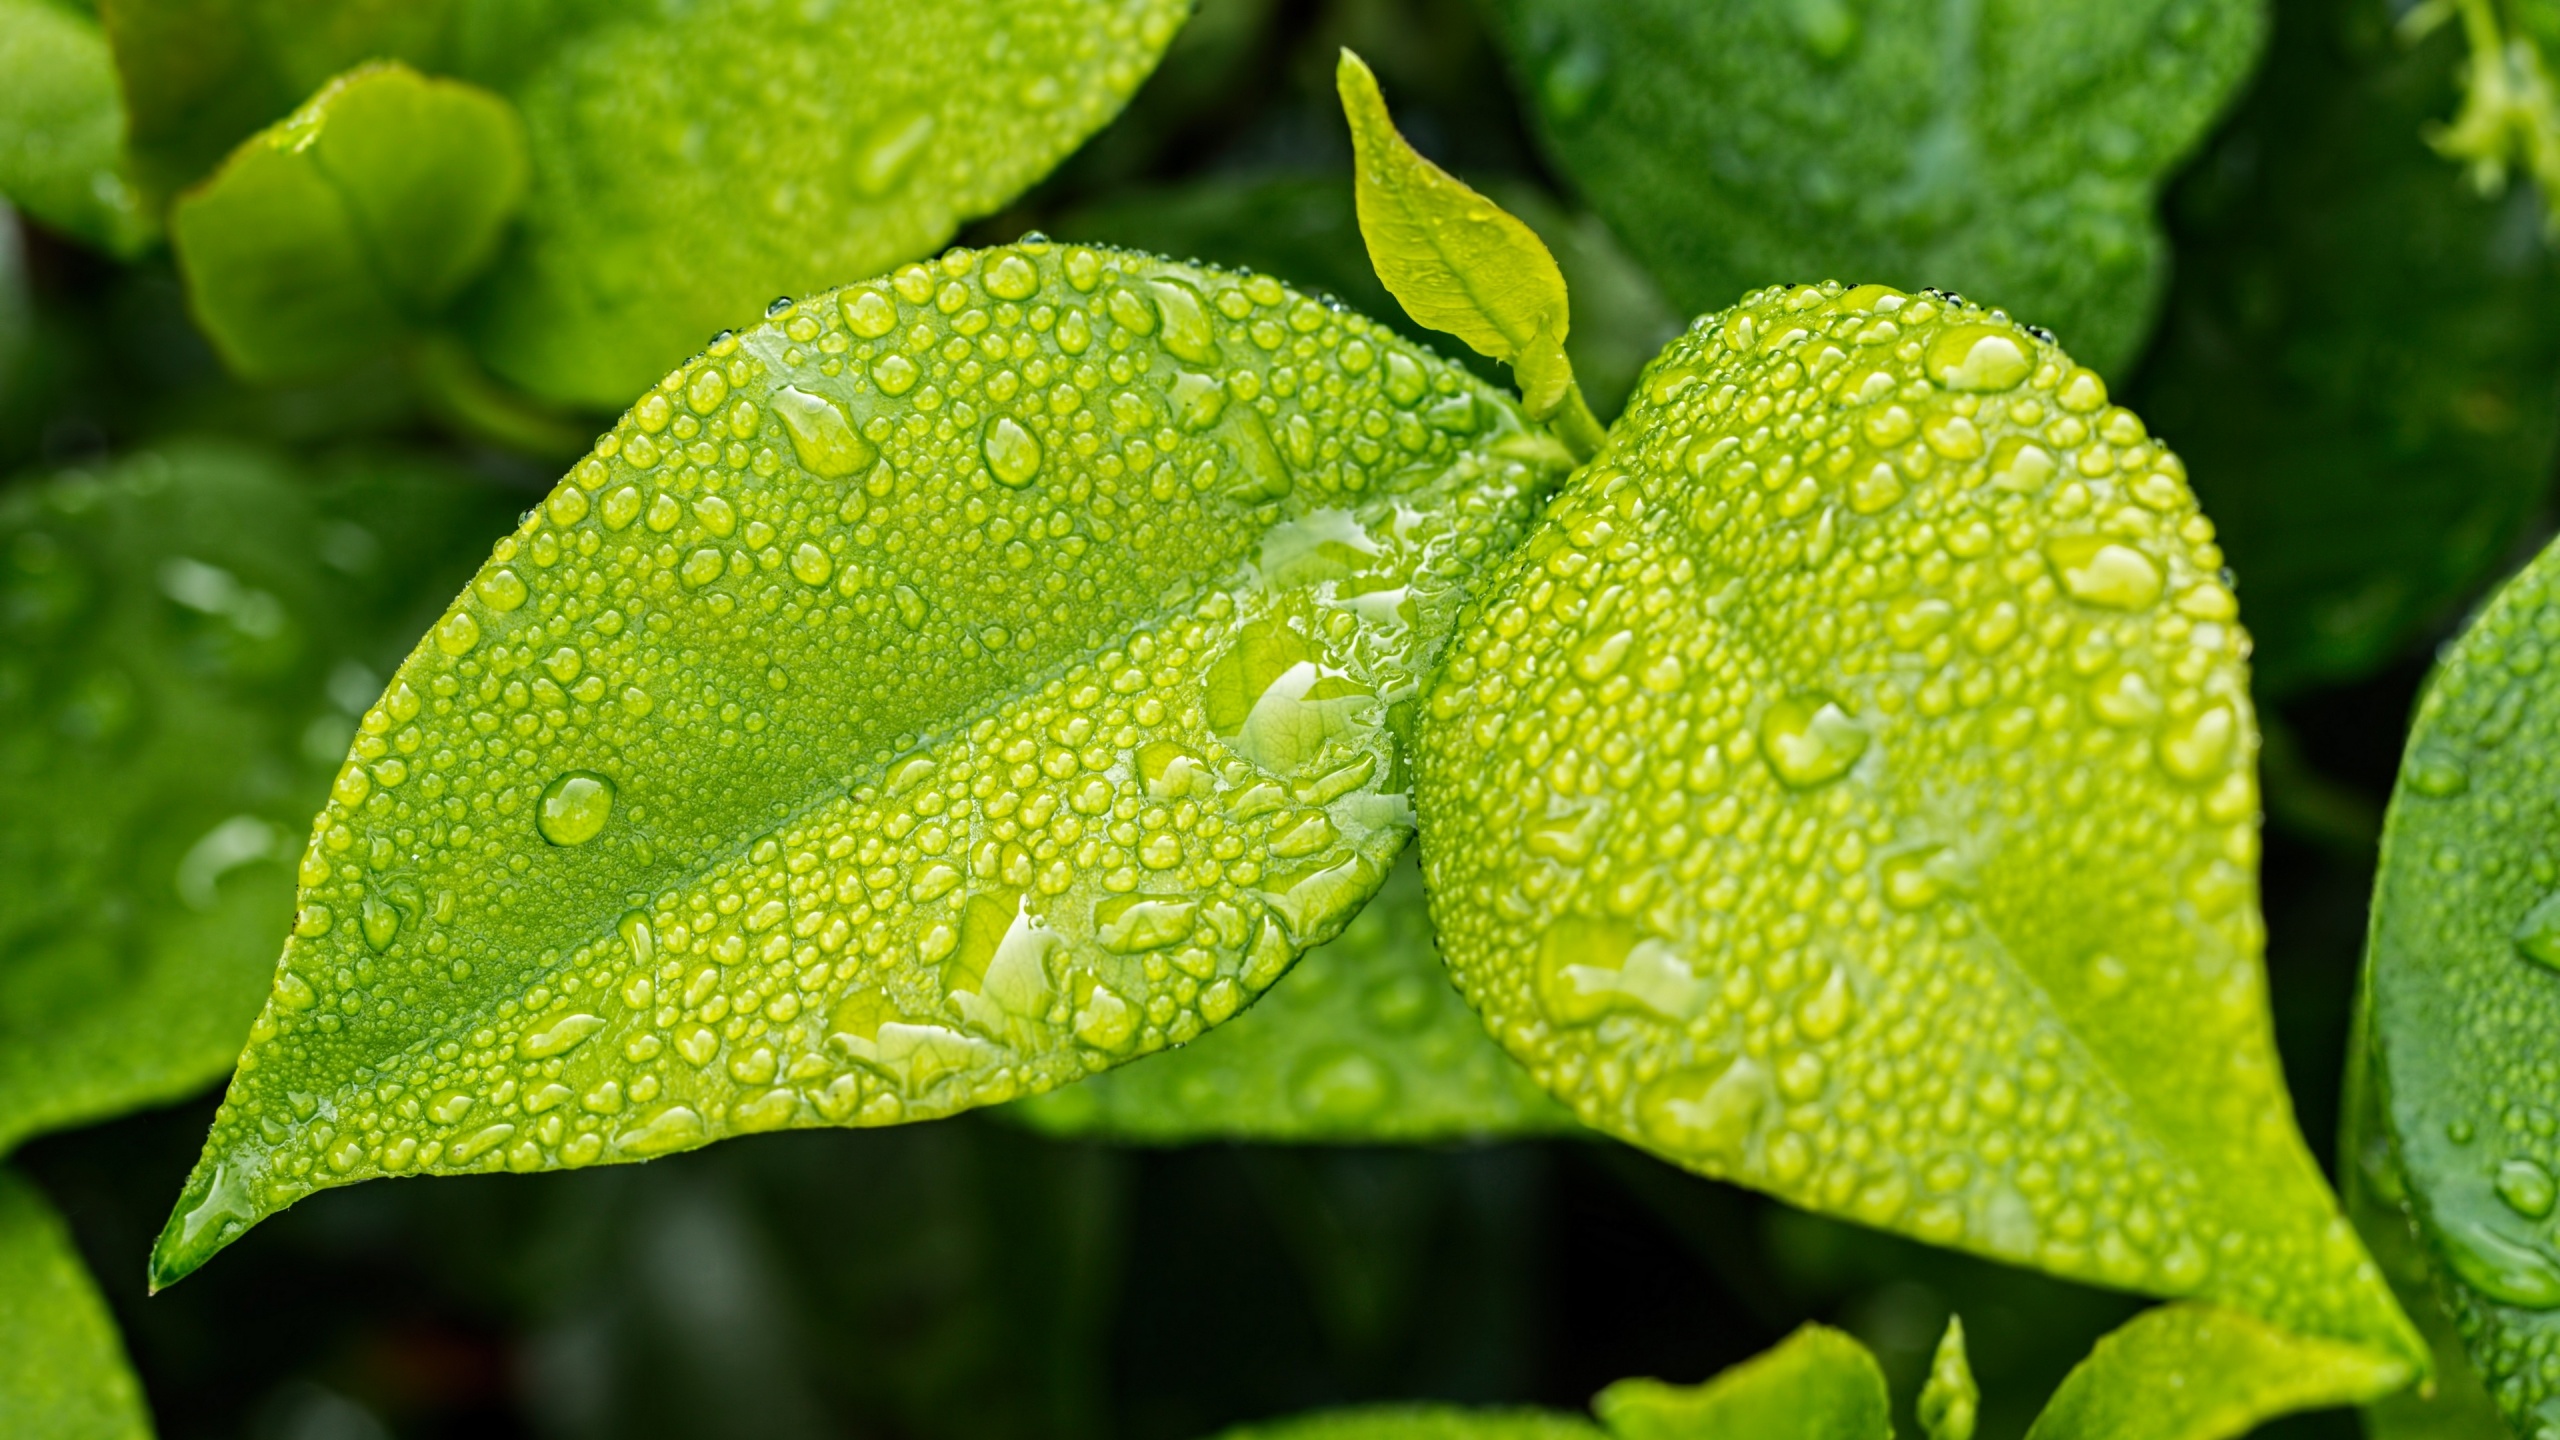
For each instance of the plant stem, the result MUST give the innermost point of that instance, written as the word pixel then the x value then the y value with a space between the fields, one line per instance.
pixel 1575 425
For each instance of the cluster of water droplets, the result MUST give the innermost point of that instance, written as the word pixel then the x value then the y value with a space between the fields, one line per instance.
pixel 1848 789
pixel 950 686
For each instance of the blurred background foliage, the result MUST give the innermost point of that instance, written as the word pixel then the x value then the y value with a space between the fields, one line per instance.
pixel 2356 354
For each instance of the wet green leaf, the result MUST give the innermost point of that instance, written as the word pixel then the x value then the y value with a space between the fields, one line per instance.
pixel 1848 791
pixel 184 640
pixel 1305 230
pixel 62 126
pixel 1363 1040
pixel 1422 1422
pixel 2200 1372
pixel 2012 153
pixel 345 226
pixel 1950 1402
pixel 1454 260
pixel 689 163
pixel 1817 1384
pixel 948 687
pixel 63 1374
pixel 2463 994
pixel 2356 358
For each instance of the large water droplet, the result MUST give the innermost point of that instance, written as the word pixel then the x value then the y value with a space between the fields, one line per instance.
pixel 2538 934
pixel 1012 453
pixel 1704 1111
pixel 2526 1187
pixel 2101 572
pixel 821 434
pixel 1978 357
pixel 2511 1272
pixel 1809 740
pixel 574 807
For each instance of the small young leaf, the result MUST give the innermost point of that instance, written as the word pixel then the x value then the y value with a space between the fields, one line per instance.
pixel 184 641
pixel 2012 151
pixel 340 228
pixel 1848 791
pixel 1949 1400
pixel 1362 1041
pixel 951 686
pixel 2199 1372
pixel 2372 422
pixel 2465 1004
pixel 1454 260
pixel 2510 113
pixel 1421 1422
pixel 1817 1384
pixel 63 1374
pixel 62 126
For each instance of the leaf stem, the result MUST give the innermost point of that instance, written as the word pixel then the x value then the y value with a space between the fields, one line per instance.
pixel 1575 425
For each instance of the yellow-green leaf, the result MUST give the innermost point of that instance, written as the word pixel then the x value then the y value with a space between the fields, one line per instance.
pixel 946 688
pixel 1817 1384
pixel 2200 1372
pixel 62 128
pixel 1950 1401
pixel 348 224
pixel 63 1374
pixel 1454 260
pixel 1849 791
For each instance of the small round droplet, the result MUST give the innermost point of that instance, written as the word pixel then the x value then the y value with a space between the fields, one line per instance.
pixel 574 807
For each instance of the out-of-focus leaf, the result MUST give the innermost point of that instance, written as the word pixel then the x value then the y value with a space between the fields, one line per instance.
pixel 1817 1384
pixel 63 1374
pixel 949 687
pixel 689 163
pixel 2510 114
pixel 17 313
pixel 1362 1041
pixel 1848 791
pixel 2357 358
pixel 1304 229
pixel 1950 1402
pixel 1455 261
pixel 184 640
pixel 1421 1422
pixel 2200 1372
pixel 2011 152
pixel 62 126
pixel 341 228
pixel 2465 1004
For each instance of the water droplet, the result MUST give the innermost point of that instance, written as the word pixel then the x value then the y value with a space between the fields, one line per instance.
pixel 458 634
pixel 1340 1084
pixel 1809 740
pixel 380 920
pixel 2102 572
pixel 1187 333
pixel 821 434
pixel 501 588
pixel 1827 28
pixel 1012 454
pixel 1704 1111
pixel 574 807
pixel 1012 277
pixel 2438 773
pixel 2526 1187
pixel 1979 357
pixel 2195 748
pixel 2538 934
pixel 2512 1272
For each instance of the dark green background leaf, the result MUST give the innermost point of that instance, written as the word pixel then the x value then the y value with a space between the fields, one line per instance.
pixel 62 1370
pixel 62 126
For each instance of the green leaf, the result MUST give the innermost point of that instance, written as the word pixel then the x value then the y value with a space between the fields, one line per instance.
pixel 1305 230
pixel 2200 1372
pixel 183 641
pixel 1421 1422
pixel 2011 152
pixel 2510 115
pixel 1363 1040
pixel 1848 791
pixel 63 1374
pixel 946 688
pixel 2355 358
pixel 2459 975
pixel 1454 260
pixel 1950 1401
pixel 689 163
pixel 1817 1384
pixel 62 126
pixel 340 229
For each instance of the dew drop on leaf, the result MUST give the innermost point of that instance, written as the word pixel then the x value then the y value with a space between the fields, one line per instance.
pixel 574 807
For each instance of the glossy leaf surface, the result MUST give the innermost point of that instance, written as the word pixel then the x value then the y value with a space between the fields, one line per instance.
pixel 2199 1372
pixel 2010 152
pixel 340 228
pixel 2354 356
pixel 1817 1384
pixel 2464 997
pixel 63 1374
pixel 184 641
pixel 1363 1041
pixel 1848 791
pixel 944 689
pixel 62 126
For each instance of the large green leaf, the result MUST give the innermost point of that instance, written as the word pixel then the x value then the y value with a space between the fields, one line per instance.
pixel 339 229
pixel 2011 151
pixel 62 126
pixel 946 688
pixel 1363 1040
pixel 689 162
pixel 1817 1384
pixel 2463 995
pixel 1422 1422
pixel 2357 357
pixel 184 640
pixel 2199 1372
pixel 62 1370
pixel 1848 791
